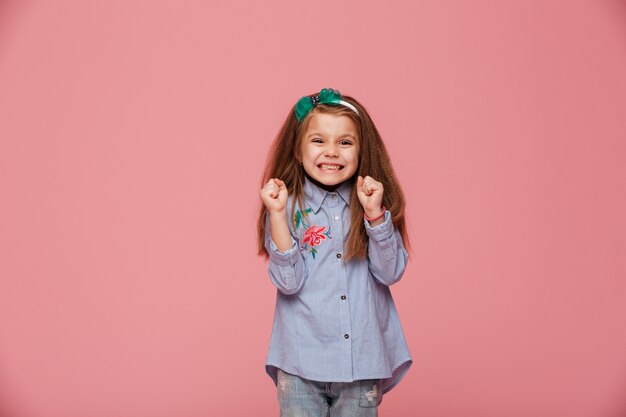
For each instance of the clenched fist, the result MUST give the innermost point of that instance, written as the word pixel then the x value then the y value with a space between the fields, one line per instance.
pixel 370 193
pixel 274 195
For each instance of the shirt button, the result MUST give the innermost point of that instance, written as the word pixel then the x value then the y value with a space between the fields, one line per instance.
pixel 343 297
pixel 338 256
pixel 337 218
pixel 333 196
pixel 346 335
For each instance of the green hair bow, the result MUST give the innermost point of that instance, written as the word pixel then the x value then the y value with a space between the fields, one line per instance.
pixel 326 96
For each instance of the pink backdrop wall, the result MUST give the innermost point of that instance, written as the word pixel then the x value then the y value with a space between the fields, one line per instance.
pixel 132 138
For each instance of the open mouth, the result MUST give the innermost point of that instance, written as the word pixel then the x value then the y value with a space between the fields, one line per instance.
pixel 330 167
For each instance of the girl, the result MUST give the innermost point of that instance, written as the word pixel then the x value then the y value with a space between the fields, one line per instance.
pixel 332 227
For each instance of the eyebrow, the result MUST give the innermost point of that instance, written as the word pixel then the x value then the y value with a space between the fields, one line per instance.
pixel 342 136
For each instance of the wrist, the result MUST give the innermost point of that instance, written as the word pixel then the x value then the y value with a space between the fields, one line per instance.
pixel 278 214
pixel 371 215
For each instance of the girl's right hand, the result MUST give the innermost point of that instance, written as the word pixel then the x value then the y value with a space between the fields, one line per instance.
pixel 274 195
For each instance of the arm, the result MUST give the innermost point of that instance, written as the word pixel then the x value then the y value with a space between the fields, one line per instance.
pixel 385 252
pixel 286 266
pixel 386 255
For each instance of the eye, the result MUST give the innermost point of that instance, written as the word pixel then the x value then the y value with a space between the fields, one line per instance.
pixel 317 140
pixel 345 142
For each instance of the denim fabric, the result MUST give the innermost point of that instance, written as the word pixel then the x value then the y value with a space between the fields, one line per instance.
pixel 336 320
pixel 300 397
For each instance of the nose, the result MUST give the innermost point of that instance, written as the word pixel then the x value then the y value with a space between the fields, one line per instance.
pixel 331 150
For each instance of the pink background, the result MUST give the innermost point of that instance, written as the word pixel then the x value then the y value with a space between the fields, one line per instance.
pixel 132 139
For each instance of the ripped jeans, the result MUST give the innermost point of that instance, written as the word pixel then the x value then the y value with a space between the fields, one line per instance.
pixel 299 397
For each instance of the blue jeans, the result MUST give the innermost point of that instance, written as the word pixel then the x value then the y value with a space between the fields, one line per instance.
pixel 299 397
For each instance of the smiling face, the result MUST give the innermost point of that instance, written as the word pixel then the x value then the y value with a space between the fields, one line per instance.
pixel 330 149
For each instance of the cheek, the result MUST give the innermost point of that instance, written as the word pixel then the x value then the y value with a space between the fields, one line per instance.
pixel 304 155
pixel 352 162
pixel 309 153
pixel 354 157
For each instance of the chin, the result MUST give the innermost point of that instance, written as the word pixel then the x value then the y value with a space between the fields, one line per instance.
pixel 329 183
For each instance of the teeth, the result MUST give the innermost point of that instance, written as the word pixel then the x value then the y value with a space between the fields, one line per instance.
pixel 324 166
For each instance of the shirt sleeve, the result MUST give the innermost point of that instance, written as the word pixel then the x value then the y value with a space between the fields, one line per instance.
pixel 385 251
pixel 286 269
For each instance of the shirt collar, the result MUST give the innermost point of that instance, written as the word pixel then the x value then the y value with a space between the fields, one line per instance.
pixel 315 195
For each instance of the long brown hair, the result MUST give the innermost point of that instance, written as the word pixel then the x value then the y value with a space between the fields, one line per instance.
pixel 283 163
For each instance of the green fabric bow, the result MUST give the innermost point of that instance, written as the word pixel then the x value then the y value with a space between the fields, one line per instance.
pixel 306 103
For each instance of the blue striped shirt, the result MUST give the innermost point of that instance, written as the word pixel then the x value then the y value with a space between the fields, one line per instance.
pixel 335 321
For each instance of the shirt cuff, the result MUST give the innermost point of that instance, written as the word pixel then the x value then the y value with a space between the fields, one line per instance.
pixel 381 231
pixel 289 257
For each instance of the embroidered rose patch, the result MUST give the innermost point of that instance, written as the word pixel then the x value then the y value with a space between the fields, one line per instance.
pixel 313 236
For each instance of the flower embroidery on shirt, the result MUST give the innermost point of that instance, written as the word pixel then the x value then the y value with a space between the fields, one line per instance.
pixel 301 214
pixel 313 235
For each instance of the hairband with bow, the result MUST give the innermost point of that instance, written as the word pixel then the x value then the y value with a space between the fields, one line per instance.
pixel 326 96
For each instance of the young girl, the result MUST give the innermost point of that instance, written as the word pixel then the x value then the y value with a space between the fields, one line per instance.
pixel 332 226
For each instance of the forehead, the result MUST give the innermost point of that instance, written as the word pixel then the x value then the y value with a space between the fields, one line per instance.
pixel 331 125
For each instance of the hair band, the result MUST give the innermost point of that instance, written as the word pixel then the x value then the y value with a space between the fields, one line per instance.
pixel 326 96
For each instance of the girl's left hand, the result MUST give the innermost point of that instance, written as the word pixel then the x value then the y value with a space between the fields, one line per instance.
pixel 370 193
